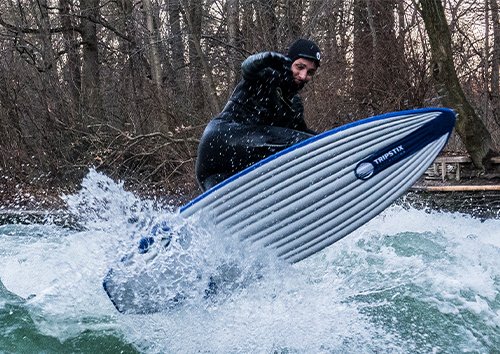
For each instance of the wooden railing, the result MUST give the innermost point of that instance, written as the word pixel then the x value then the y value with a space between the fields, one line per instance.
pixel 451 167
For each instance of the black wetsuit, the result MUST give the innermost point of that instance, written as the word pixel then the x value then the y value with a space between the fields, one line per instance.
pixel 263 116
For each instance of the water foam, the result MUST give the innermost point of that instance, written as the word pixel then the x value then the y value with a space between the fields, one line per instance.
pixel 407 281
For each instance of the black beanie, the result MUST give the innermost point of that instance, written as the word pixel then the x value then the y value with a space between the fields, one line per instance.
pixel 304 48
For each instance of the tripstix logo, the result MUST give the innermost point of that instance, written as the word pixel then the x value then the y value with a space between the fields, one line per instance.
pixel 377 162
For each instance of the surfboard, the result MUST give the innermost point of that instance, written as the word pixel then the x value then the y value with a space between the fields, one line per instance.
pixel 306 197
pixel 309 196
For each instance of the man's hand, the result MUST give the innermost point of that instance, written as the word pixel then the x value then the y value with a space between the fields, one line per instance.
pixel 267 65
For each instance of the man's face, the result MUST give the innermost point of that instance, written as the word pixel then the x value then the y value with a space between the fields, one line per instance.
pixel 303 70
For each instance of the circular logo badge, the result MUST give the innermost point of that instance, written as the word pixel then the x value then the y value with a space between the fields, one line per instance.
pixel 364 170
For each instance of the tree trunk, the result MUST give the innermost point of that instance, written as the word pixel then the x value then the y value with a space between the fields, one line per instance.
pixel 247 27
pixel 129 70
pixel 267 25
pixel 198 59
pixel 176 47
pixel 154 55
pixel 495 62
pixel 293 20
pixel 72 74
pixel 233 28
pixel 382 30
pixel 48 57
pixel 10 121
pixel 50 103
pixel 91 98
pixel 390 71
pixel 469 126
pixel 362 59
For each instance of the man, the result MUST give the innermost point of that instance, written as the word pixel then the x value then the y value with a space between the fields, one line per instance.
pixel 263 116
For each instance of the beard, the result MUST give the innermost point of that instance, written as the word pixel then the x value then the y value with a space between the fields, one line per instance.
pixel 298 86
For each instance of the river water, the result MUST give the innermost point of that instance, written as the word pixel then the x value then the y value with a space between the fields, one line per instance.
pixel 410 281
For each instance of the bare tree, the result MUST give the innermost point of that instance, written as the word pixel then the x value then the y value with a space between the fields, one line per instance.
pixel 72 66
pixel 198 61
pixel 233 29
pixel 177 78
pixel 91 95
pixel 128 85
pixel 293 20
pixel 380 73
pixel 470 127
pixel 10 121
pixel 266 25
pixel 131 69
pixel 247 27
pixel 495 61
pixel 153 45
pixel 362 58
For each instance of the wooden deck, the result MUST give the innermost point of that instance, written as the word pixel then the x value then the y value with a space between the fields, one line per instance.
pixel 452 168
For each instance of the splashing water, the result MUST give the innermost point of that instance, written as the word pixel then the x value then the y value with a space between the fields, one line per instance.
pixel 408 281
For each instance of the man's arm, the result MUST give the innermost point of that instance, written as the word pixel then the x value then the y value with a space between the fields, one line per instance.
pixel 266 65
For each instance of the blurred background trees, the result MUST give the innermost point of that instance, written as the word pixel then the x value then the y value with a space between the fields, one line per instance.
pixel 127 86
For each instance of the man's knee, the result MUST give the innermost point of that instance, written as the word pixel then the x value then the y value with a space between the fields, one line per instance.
pixel 213 180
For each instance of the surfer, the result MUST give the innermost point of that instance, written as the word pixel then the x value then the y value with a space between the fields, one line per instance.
pixel 263 115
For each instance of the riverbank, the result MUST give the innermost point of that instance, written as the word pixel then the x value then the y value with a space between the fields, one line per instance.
pixel 471 193
pixel 35 202
pixel 478 203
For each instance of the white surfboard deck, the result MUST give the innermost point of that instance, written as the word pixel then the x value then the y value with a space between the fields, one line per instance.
pixel 305 198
